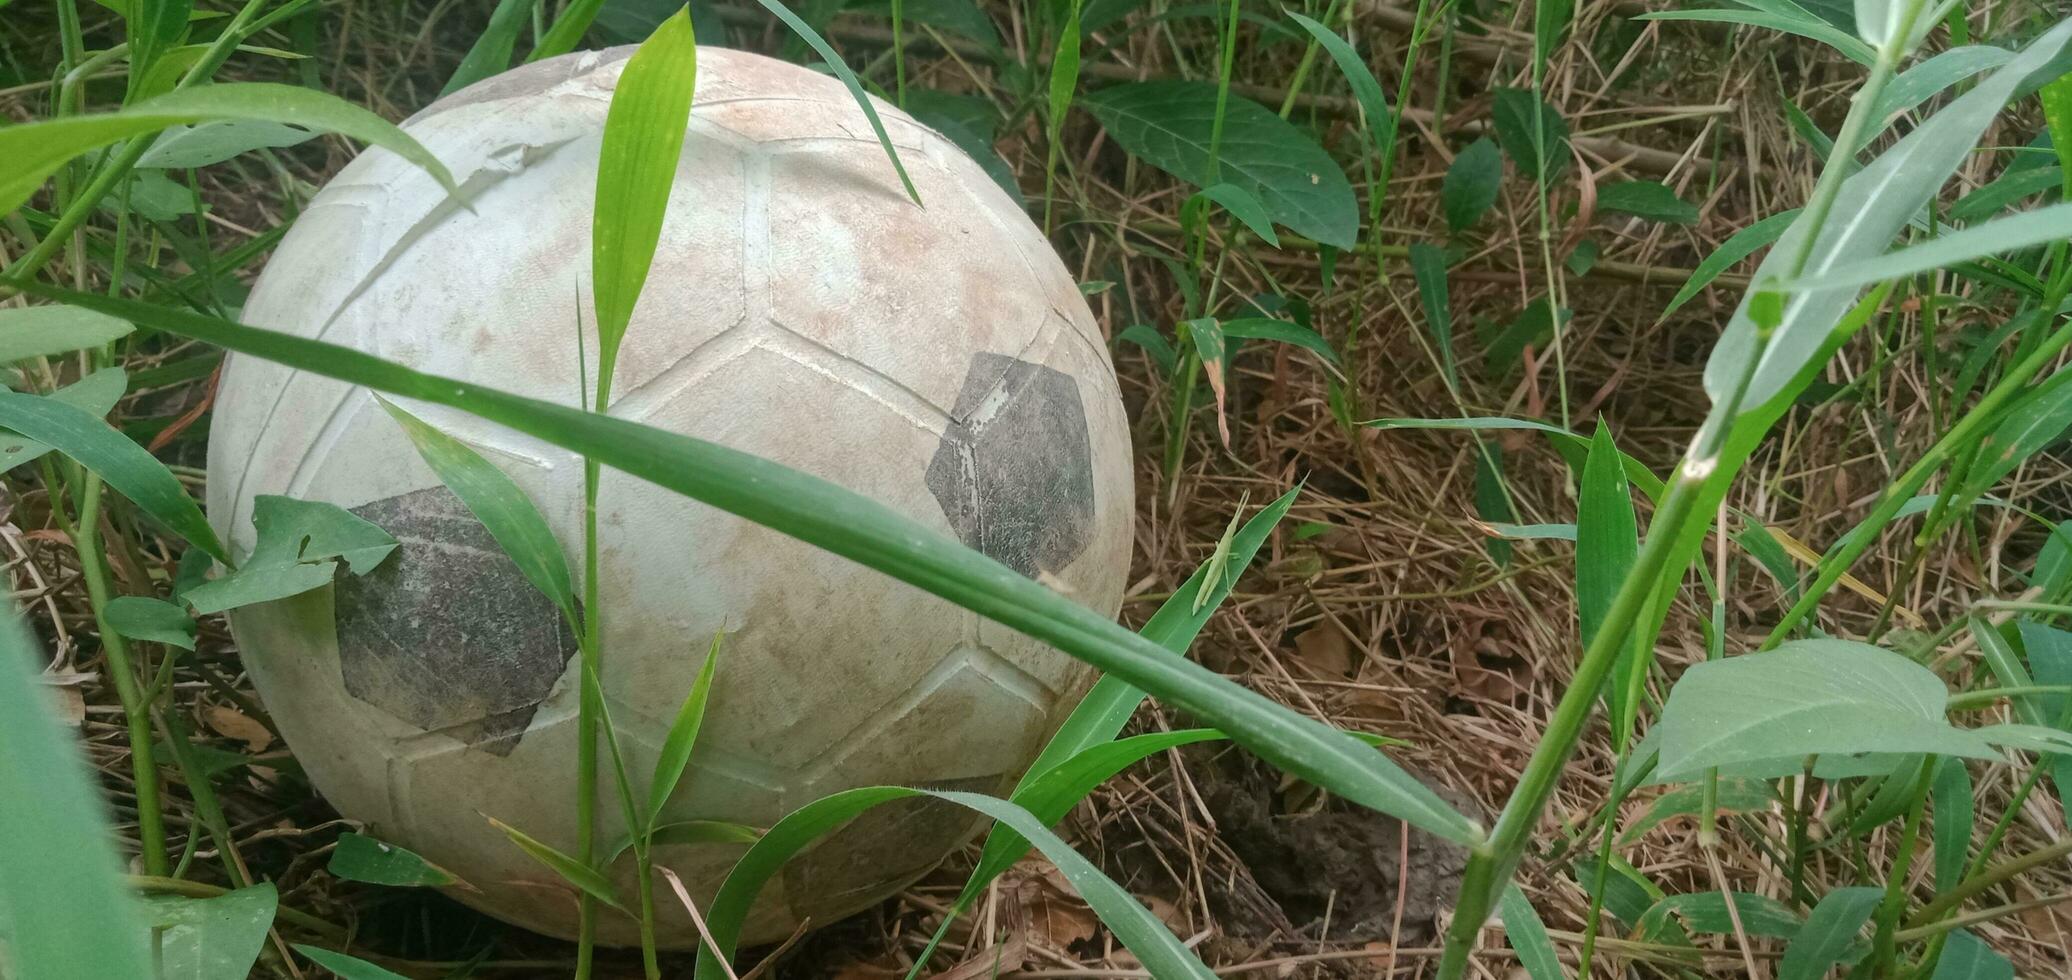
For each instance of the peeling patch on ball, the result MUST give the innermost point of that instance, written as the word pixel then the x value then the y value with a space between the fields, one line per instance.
pixel 448 635
pixel 1014 471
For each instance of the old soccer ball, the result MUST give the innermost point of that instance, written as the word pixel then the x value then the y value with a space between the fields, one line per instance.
pixel 936 357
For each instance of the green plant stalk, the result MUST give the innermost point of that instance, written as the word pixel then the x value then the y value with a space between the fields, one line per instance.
pixel 86 539
pixel 1979 882
pixel 1884 944
pixel 899 53
pixel 1308 61
pixel 1222 96
pixel 1490 865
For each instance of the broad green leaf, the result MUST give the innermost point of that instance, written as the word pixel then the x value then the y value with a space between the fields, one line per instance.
pixel 869 533
pixel 1537 147
pixel 361 858
pixel 347 967
pixel 1870 209
pixel 40 331
pixel 682 737
pixel 1375 114
pixel 1738 246
pixel 1849 47
pixel 1646 199
pixel 2049 654
pixel 1922 82
pixel 1628 894
pixel 1829 935
pixel 1706 912
pixel 1967 957
pixel 1955 809
pixel 1144 934
pixel 1428 266
pixel 1241 205
pixel 299 546
pixel 834 62
pixel 491 52
pixel 184 147
pixel 1894 796
pixel 1472 183
pixel 2016 231
pixel 123 464
pixel 79 921
pixel 1267 328
pixel 1528 936
pixel 1733 796
pixel 150 620
pixel 1154 343
pixel 591 881
pixel 636 169
pixel 1808 697
pixel 95 394
pixel 31 152
pixel 153 196
pixel 1607 543
pixel 152 26
pixel 1167 124
pixel 210 938
pixel 495 500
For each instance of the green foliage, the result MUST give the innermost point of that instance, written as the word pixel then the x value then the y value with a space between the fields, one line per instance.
pixel 1532 134
pixel 1707 912
pixel 1169 125
pixel 1282 331
pixel 1606 543
pixel 81 922
pixel 95 394
pixel 31 152
pixel 1646 199
pixel 1472 183
pixel 1738 246
pixel 636 170
pixel 150 620
pixel 834 63
pixel 491 52
pixel 1428 267
pixel 211 938
pixel 359 857
pixel 300 546
pixel 1955 807
pixel 584 877
pixel 1829 937
pixel 1777 16
pixel 347 967
pixel 682 738
pixel 40 331
pixel 1241 205
pixel 1528 936
pixel 1966 957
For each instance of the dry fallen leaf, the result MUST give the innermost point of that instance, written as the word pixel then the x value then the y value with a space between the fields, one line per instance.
pixel 232 723
pixel 1325 651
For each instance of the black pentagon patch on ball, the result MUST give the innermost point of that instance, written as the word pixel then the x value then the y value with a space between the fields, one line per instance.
pixel 448 635
pixel 1014 472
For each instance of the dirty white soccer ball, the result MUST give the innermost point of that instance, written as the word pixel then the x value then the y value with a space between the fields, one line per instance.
pixel 937 358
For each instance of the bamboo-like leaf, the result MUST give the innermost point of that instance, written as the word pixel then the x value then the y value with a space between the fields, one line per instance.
pixel 1375 114
pixel 40 331
pixel 1471 185
pixel 835 64
pixel 575 872
pixel 125 466
pixel 1428 266
pixel 682 737
pixel 1267 328
pixel 1738 246
pixel 347 967
pixel 567 30
pixel 359 857
pixel 1241 205
pixel 1955 809
pixel 636 170
pixel 1807 27
pixel 1607 543
pixel 95 394
pixel 1869 210
pixel 491 52
pixel 1967 957
pixel 1144 934
pixel 2016 231
pixel 80 921
pixel 689 832
pixel 1528 936
pixel 496 500
pixel 31 152
pixel 862 530
pixel 1830 933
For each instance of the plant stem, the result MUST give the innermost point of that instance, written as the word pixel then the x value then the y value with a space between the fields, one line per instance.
pixel 1884 945
pixel 136 709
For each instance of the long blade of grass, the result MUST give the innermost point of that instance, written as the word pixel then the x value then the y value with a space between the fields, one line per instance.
pixel 636 169
pixel 1143 933
pixel 1528 936
pixel 567 30
pixel 40 331
pixel 864 531
pixel 126 466
pixel 2016 231
pixel 682 738
pixel 495 499
pixel 1380 121
pixel 346 966
pixel 55 839
pixel 589 879
pixel 31 152
pixel 1848 46
pixel 1607 541
pixel 1738 246
pixel 491 52
pixel 835 64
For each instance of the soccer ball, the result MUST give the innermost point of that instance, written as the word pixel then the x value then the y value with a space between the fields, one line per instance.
pixel 936 357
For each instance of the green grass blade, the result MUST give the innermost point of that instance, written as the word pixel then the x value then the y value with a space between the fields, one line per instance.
pixel 1528 936
pixel 867 532
pixel 1267 328
pixel 835 64
pixel 1064 81
pixel 40 331
pixel 1143 933
pixel 1955 810
pixel 1738 246
pixel 1428 266
pixel 689 832
pixel 567 30
pixel 1374 104
pixel 1850 47
pixel 54 831
pixel 495 499
pixel 31 152
pixel 1607 543
pixel 575 872
pixel 150 620
pixel 1241 205
pixel 682 738
pixel 95 394
pixel 636 169
pixel 491 52
pixel 359 857
pixel 2016 231
pixel 347 967
pixel 125 466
